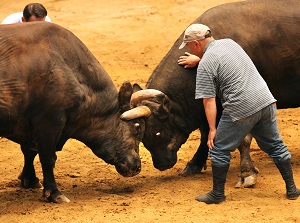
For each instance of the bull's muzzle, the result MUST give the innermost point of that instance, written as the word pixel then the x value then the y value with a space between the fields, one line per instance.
pixel 129 168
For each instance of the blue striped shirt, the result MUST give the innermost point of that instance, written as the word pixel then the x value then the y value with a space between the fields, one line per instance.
pixel 226 71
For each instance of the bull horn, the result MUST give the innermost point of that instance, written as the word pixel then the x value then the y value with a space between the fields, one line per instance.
pixel 146 94
pixel 140 111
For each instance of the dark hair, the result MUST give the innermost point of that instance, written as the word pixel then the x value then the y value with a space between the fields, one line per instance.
pixel 208 34
pixel 36 9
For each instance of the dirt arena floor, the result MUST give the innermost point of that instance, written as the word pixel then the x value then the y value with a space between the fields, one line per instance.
pixel 129 38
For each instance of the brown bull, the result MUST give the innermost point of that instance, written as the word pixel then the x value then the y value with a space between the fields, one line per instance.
pixel 51 89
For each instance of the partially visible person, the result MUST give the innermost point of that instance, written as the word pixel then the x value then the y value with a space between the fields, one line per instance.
pixel 32 12
pixel 226 71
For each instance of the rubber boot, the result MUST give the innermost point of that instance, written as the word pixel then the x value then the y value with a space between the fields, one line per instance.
pixel 285 168
pixel 217 195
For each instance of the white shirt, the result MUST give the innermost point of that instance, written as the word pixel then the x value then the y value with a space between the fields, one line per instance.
pixel 17 18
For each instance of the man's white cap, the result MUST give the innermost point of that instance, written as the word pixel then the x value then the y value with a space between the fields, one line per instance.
pixel 194 32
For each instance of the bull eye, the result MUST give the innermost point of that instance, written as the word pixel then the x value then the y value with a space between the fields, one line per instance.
pixel 137 126
pixel 157 134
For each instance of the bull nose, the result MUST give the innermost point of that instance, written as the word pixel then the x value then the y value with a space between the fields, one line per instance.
pixel 129 169
pixel 137 170
pixel 164 164
pixel 162 168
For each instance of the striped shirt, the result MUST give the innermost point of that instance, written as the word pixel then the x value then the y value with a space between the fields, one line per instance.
pixel 226 71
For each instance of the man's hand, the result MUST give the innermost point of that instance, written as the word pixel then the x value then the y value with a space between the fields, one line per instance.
pixel 188 60
pixel 211 136
pixel 211 114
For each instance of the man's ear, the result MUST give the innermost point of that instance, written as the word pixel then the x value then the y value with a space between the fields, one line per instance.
pixel 23 19
pixel 197 43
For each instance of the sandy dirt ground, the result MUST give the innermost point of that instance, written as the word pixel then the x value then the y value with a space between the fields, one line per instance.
pixel 129 38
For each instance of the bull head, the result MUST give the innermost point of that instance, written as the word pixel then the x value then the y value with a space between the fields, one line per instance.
pixel 160 125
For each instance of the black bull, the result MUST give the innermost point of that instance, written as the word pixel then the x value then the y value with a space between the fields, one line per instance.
pixel 269 32
pixel 51 89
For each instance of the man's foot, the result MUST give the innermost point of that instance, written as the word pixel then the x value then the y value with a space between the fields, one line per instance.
pixel 211 198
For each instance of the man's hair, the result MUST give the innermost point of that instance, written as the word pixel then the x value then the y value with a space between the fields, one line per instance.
pixel 36 9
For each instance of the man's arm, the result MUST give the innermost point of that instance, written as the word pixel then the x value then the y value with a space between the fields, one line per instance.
pixel 211 115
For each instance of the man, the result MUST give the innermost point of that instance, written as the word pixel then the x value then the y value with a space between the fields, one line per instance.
pixel 226 71
pixel 32 12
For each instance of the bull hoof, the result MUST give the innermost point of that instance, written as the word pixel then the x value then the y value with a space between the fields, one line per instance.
pixel 26 183
pixel 247 182
pixel 61 199
pixel 56 197
pixel 192 169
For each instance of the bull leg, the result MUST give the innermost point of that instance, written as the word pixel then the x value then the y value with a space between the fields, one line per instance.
pixel 49 134
pixel 198 162
pixel 248 177
pixel 28 177
pixel 51 191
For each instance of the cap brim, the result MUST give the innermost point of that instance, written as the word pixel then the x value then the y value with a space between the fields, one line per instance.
pixel 182 45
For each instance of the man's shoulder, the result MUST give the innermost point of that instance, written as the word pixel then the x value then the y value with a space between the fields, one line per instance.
pixel 48 19
pixel 13 18
pixel 225 41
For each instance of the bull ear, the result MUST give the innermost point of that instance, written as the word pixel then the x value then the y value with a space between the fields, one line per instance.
pixel 164 108
pixel 125 93
pixel 136 87
pixel 159 108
